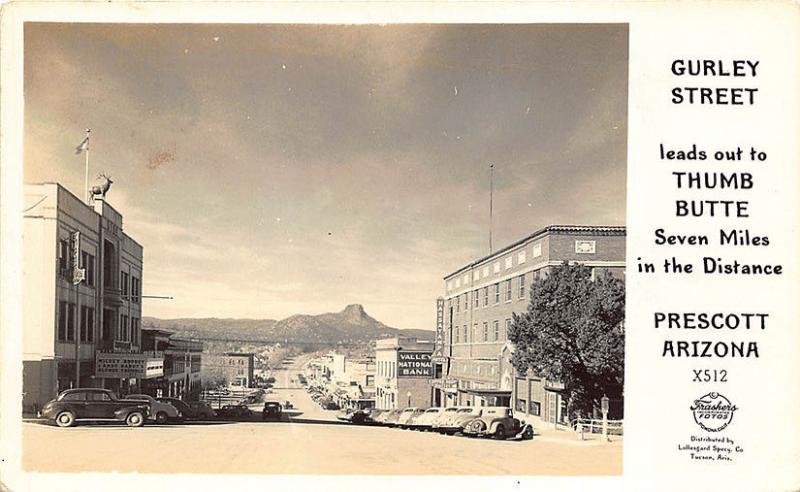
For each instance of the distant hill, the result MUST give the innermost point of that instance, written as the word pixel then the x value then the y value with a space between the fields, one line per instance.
pixel 349 326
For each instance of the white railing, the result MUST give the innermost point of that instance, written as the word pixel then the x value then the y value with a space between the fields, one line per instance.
pixel 595 426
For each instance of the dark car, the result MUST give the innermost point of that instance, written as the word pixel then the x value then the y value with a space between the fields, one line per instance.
pixel 499 423
pixel 235 411
pixel 202 409
pixel 183 408
pixel 96 405
pixel 272 411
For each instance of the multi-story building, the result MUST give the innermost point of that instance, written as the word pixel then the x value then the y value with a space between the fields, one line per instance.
pixel 474 359
pixel 82 297
pixel 403 373
pixel 239 368
pixel 182 364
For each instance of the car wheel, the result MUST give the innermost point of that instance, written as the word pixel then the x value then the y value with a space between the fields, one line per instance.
pixel 499 432
pixel 65 419
pixel 161 418
pixel 528 433
pixel 135 419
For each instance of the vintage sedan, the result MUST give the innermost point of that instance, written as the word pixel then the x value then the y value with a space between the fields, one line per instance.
pixel 497 422
pixel 159 411
pixel 425 421
pixel 272 411
pixel 392 416
pixel 239 410
pixel 452 424
pixel 410 422
pixel 94 405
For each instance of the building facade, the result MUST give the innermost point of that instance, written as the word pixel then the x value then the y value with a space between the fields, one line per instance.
pixel 82 297
pixel 474 360
pixel 239 369
pixel 182 365
pixel 403 373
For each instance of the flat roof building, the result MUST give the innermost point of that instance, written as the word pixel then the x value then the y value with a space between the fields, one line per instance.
pixel 474 355
pixel 82 297
pixel 403 373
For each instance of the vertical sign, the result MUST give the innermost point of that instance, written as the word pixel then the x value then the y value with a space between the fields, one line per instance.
pixel 438 351
pixel 78 273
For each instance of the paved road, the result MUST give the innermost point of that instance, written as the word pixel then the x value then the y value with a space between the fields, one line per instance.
pixel 311 442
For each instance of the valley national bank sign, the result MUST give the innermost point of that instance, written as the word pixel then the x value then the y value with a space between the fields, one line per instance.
pixel 413 364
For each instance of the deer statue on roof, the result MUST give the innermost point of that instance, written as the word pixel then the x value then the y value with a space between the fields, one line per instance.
pixel 102 188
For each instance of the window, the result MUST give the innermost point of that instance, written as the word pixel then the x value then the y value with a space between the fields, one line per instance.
pixel 136 289
pixel 62 321
pixel 76 396
pixel 87 324
pixel 522 286
pixel 476 275
pixel 466 300
pixel 537 250
pixel 496 330
pixel 536 408
pixel 135 330
pixel 485 272
pixel 458 303
pixel 124 284
pixel 123 333
pixel 485 331
pixel 508 290
pixel 497 293
pixel 474 332
pixel 370 380
pixel 63 257
pixel 88 264
pixel 521 257
pixel 466 278
pixel 98 396
pixel 496 267
pixel 485 296
pixel 509 262
pixel 456 335
pixel 70 322
pixel 476 299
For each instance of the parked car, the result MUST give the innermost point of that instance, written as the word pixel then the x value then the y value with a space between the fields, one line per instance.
pixel 287 404
pixel 353 416
pixel 272 411
pixel 425 421
pixel 440 419
pixel 394 415
pixel 374 416
pixel 235 411
pixel 94 404
pixel 202 409
pixel 498 422
pixel 184 410
pixel 406 420
pixel 160 412
pixel 453 423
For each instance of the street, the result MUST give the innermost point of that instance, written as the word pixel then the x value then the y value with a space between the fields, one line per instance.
pixel 312 441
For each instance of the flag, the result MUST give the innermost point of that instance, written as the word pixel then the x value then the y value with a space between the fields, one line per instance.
pixel 83 146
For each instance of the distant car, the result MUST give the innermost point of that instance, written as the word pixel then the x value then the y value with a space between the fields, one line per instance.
pixel 425 421
pixel 405 416
pixel 272 411
pixel 499 423
pixel 235 411
pixel 183 408
pixel 287 404
pixel 452 424
pixel 94 404
pixel 353 416
pixel 391 418
pixel 159 411
pixel 202 409
pixel 374 416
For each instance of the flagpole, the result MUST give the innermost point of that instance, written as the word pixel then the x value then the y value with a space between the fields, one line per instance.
pixel 86 173
pixel 491 203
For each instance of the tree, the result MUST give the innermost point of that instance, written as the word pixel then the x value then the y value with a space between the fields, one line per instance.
pixel 574 332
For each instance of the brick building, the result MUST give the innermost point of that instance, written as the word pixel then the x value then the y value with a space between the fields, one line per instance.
pixel 402 373
pixel 474 359
pixel 239 368
pixel 182 365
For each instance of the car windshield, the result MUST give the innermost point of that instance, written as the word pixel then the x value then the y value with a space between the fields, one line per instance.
pixel 432 410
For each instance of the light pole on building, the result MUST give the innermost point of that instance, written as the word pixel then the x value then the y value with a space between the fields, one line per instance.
pixel 409 398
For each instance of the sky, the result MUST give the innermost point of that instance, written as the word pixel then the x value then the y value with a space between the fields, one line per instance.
pixel 271 170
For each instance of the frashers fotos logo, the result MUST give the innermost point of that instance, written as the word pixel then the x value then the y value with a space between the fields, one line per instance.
pixel 713 412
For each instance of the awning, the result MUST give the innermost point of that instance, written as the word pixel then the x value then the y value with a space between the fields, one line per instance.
pixel 486 392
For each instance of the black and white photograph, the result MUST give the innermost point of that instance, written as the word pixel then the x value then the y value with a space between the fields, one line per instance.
pixel 324 249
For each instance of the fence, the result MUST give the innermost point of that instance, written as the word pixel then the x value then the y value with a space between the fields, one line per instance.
pixel 595 426
pixel 219 398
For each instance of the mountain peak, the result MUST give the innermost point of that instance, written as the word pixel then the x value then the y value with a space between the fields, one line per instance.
pixel 355 313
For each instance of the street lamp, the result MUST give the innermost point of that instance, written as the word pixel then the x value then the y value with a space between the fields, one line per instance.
pixel 604 409
pixel 409 398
